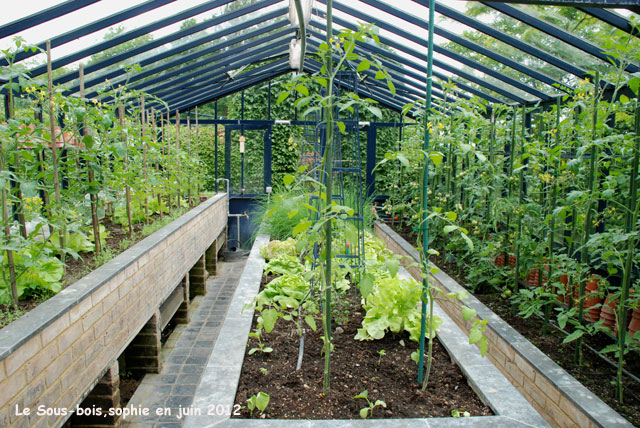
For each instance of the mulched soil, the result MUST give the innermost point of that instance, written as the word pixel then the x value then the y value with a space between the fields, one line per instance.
pixel 117 233
pixel 595 374
pixel 355 366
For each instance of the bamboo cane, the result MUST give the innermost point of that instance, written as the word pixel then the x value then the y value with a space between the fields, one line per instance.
pixel 54 151
pixel 94 202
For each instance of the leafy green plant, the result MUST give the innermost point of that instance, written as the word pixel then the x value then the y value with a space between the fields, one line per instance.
pixel 277 248
pixel 284 264
pixel 381 353
pixel 258 401
pixel 455 413
pixel 392 306
pixel 367 412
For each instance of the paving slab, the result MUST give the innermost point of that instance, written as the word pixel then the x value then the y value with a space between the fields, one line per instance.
pixel 186 353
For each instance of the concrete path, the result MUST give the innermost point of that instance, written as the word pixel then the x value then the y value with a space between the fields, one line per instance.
pixel 185 355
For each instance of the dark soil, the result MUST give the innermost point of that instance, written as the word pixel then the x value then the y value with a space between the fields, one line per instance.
pixel 128 386
pixel 595 374
pixel 77 268
pixel 355 366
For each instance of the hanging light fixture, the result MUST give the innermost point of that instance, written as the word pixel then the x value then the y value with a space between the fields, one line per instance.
pixel 307 7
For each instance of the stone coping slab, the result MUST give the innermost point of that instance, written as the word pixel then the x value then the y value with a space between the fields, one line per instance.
pixel 33 322
pixel 593 407
pixel 219 384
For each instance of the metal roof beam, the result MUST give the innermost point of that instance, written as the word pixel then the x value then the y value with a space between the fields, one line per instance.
pixel 155 43
pixel 206 74
pixel 180 72
pixel 377 93
pixel 633 5
pixel 505 38
pixel 91 28
pixel 406 85
pixel 438 63
pixel 189 93
pixel 43 16
pixel 441 76
pixel 469 45
pixel 260 74
pixel 558 33
pixel 612 19
pixel 193 56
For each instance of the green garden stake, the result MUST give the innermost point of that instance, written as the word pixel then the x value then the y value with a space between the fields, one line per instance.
pixel 425 204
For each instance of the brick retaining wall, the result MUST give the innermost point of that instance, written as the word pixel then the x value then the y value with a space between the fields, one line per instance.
pixel 54 355
pixel 554 393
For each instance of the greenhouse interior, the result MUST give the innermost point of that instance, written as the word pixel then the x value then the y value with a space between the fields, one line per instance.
pixel 349 213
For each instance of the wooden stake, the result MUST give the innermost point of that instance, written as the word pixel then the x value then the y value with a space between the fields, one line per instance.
pixel 144 159
pixel 178 156
pixel 94 198
pixel 189 155
pixel 127 191
pixel 197 145
pixel 54 149
pixel 7 232
pixel 16 158
pixel 155 140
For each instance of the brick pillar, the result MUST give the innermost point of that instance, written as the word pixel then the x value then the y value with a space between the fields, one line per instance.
pixel 198 278
pixel 143 354
pixel 105 395
pixel 211 258
pixel 182 314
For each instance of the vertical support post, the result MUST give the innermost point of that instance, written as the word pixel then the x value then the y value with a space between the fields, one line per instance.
pixel 269 102
pixel 267 158
pixel 425 204
pixel 242 106
pixel 370 176
pixel 215 142
pixel 182 315
pixel 143 354
pixel 227 155
pixel 105 395
pixel 198 278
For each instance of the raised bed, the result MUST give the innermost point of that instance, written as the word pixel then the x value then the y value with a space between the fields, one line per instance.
pixel 558 396
pixel 54 355
pixel 214 398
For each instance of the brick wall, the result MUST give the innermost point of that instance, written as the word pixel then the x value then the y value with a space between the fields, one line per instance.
pixel 554 393
pixel 54 355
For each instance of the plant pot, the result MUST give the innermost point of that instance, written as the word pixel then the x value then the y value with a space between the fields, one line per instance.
pixel 634 325
pixel 533 277
pixel 608 313
pixel 591 300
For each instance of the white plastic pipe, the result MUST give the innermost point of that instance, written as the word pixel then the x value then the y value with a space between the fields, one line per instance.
pixel 295 53
pixel 307 8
